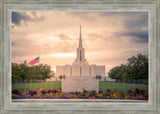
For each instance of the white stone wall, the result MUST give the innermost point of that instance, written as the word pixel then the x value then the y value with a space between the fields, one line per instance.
pixel 67 70
pixel 97 70
pixel 80 83
pixel 80 70
pixel 60 70
pixel 86 70
pixel 75 70
pixel 100 70
pixel 93 70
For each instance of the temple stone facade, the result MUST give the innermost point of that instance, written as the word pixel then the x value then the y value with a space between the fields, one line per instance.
pixel 80 66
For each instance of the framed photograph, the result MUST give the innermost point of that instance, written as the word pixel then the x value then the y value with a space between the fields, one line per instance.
pixel 107 64
pixel 78 57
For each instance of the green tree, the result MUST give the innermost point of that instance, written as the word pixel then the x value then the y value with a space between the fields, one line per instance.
pixel 114 73
pixel 99 77
pixel 39 72
pixel 62 77
pixel 15 72
pixel 136 68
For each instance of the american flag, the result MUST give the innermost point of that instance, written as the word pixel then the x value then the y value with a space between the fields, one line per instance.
pixel 34 61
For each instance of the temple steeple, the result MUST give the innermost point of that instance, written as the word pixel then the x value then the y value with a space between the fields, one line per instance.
pixel 80 68
pixel 80 39
pixel 80 51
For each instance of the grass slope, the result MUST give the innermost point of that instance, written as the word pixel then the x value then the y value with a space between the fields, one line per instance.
pixel 102 86
pixel 121 86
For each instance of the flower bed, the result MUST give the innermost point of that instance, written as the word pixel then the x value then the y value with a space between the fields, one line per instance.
pixel 54 94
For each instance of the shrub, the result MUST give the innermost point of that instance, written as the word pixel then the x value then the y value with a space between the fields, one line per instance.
pixel 43 92
pixel 15 91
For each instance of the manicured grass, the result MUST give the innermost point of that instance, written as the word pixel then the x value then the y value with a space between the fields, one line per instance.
pixel 121 86
pixel 102 86
pixel 35 86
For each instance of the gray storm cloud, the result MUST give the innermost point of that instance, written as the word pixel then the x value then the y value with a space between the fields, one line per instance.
pixel 17 17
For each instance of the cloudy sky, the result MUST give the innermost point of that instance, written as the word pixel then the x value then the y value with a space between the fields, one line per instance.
pixel 109 38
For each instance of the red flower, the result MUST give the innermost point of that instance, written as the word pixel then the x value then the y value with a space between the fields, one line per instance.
pixel 93 97
pixel 32 92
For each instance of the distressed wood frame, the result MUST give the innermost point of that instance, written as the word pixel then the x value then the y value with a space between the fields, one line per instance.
pixel 150 6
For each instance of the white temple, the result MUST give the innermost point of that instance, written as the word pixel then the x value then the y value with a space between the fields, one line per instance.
pixel 80 67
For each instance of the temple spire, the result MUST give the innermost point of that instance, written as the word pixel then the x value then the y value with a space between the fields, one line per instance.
pixel 80 39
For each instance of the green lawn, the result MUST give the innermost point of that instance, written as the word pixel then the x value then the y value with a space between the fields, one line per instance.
pixel 121 86
pixel 34 86
pixel 102 86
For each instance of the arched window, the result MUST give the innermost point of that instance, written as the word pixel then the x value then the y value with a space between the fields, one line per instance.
pixel 71 71
pixel 80 71
pixel 80 56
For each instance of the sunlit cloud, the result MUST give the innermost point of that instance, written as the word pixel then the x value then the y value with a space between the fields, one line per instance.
pixel 54 38
pixel 108 38
pixel 63 55
pixel 53 69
